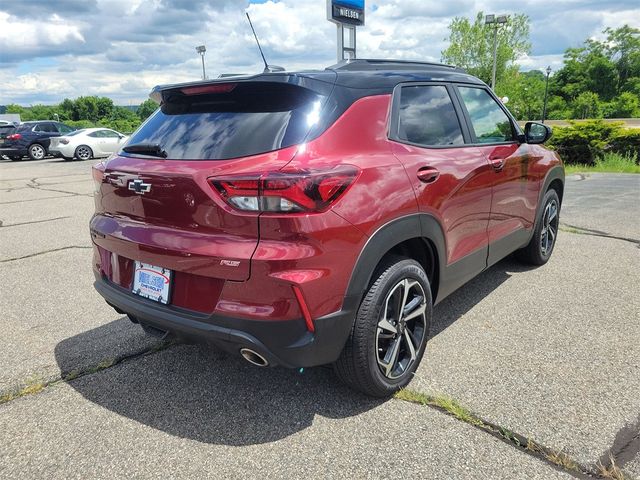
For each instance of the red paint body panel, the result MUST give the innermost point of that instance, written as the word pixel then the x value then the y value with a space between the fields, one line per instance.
pixel 460 197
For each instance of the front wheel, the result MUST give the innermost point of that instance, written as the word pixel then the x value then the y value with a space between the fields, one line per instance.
pixel 540 248
pixel 390 331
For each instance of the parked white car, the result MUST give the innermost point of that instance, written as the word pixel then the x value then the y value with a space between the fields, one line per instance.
pixel 87 143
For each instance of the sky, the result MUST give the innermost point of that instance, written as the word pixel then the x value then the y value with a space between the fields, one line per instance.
pixel 56 49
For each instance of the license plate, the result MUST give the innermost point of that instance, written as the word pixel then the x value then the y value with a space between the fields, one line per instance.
pixel 152 282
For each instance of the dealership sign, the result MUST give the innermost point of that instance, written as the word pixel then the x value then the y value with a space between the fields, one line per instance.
pixel 349 12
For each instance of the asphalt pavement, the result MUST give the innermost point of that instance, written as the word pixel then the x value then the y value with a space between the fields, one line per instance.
pixel 550 353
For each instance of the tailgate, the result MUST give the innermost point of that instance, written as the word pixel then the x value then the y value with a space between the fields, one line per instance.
pixel 166 213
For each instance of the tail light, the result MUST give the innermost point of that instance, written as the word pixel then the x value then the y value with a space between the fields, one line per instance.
pixel 286 192
pixel 98 176
pixel 215 88
pixel 14 136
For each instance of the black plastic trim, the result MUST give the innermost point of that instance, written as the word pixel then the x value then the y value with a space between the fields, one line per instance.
pixel 418 225
pixel 285 343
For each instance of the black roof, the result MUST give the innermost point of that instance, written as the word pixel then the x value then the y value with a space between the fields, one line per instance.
pixel 376 76
pixel 374 73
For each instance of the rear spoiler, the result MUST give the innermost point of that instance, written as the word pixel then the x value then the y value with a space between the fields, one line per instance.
pixel 318 80
pixel 157 91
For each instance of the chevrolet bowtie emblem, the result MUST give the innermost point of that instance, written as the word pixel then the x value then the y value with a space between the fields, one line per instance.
pixel 139 186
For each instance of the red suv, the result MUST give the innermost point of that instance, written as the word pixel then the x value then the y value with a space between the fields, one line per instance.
pixel 315 217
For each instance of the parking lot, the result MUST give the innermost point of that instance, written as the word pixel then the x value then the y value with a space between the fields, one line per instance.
pixel 550 354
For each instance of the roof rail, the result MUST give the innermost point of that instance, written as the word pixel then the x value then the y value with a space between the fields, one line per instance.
pixel 381 64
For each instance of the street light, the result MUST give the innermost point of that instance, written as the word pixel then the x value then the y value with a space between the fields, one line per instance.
pixel 546 91
pixel 496 21
pixel 201 49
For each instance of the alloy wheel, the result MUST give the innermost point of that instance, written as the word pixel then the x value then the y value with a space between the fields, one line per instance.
pixel 549 228
pixel 83 153
pixel 401 329
pixel 37 152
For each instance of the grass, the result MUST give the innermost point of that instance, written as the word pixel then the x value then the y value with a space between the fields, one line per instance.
pixel 33 386
pixel 557 457
pixel 611 471
pixel 609 163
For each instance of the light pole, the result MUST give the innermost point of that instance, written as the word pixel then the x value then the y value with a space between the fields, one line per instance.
pixel 496 22
pixel 201 49
pixel 546 91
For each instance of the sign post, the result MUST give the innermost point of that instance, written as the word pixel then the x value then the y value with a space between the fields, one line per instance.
pixel 347 15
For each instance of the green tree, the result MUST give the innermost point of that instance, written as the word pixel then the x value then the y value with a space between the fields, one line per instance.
pixel 625 105
pixel 525 91
pixel 146 108
pixel 623 48
pixel 586 105
pixel 471 45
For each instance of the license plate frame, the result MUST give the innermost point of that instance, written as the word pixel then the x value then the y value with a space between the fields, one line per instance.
pixel 152 282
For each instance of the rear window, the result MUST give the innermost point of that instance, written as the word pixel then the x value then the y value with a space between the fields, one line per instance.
pixel 6 130
pixel 249 119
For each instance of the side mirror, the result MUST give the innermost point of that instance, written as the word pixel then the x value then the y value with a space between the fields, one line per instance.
pixel 537 133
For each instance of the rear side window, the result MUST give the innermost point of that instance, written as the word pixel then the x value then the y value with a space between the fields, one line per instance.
pixel 490 123
pixel 251 118
pixel 45 127
pixel 427 116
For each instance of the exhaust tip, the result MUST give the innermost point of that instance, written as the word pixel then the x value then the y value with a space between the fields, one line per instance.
pixel 253 358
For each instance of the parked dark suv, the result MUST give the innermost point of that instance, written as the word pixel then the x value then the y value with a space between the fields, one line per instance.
pixel 315 217
pixel 30 138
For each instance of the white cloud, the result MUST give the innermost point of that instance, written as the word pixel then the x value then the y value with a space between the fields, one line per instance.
pixel 21 34
pixel 122 48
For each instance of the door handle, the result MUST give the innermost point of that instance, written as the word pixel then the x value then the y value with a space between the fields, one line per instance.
pixel 497 163
pixel 428 174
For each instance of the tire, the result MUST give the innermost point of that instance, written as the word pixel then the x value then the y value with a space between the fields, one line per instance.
pixel 540 247
pixel 83 152
pixel 37 151
pixel 375 360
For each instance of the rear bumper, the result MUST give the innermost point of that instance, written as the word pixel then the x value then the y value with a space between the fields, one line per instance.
pixel 62 150
pixel 10 151
pixel 285 343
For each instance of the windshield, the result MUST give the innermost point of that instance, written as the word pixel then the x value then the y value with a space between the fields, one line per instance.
pixel 249 119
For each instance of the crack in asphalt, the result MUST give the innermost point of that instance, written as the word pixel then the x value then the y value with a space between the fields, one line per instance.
pixel 81 247
pixel 26 388
pixel 36 199
pixel 31 222
pixel 33 183
pixel 30 178
pixel 599 233
pixel 626 445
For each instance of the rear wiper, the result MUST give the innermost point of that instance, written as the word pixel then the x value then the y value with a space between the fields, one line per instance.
pixel 151 149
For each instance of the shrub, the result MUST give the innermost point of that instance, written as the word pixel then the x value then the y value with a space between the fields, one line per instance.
pixel 582 143
pixel 626 142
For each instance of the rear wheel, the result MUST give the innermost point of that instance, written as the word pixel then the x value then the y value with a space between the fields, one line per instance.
pixel 84 152
pixel 390 331
pixel 540 248
pixel 37 152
